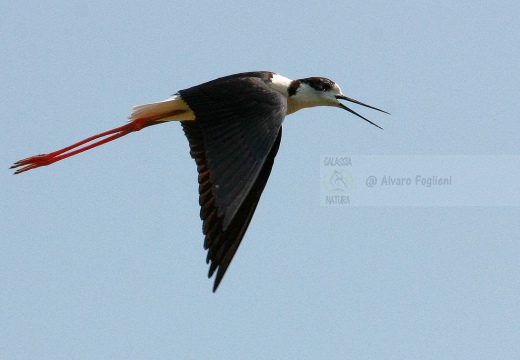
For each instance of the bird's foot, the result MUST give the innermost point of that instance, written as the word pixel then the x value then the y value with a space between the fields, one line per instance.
pixel 33 162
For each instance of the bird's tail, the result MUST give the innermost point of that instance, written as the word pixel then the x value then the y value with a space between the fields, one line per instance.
pixel 170 109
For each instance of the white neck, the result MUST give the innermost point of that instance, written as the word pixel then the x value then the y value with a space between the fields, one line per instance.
pixel 305 96
pixel 280 84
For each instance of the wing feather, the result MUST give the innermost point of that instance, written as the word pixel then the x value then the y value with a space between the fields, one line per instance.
pixel 233 140
pixel 222 244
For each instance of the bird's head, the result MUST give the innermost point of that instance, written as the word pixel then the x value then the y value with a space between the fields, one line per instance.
pixel 318 91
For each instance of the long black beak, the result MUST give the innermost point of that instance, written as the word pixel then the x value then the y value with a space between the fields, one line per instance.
pixel 343 97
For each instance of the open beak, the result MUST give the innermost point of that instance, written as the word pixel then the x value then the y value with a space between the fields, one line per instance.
pixel 343 97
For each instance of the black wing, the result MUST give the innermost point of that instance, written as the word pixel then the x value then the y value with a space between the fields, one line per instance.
pixel 233 140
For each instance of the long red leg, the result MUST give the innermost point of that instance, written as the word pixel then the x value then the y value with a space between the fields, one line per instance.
pixel 47 159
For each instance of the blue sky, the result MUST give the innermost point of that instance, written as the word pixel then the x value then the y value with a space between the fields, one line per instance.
pixel 102 253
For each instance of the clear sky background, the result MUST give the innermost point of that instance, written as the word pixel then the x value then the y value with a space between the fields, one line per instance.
pixel 101 255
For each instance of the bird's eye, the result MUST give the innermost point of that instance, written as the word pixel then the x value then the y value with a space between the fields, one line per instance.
pixel 326 86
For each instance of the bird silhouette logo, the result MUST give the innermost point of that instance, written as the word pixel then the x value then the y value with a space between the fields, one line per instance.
pixel 338 181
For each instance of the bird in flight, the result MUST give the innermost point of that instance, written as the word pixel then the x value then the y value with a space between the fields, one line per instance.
pixel 234 128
